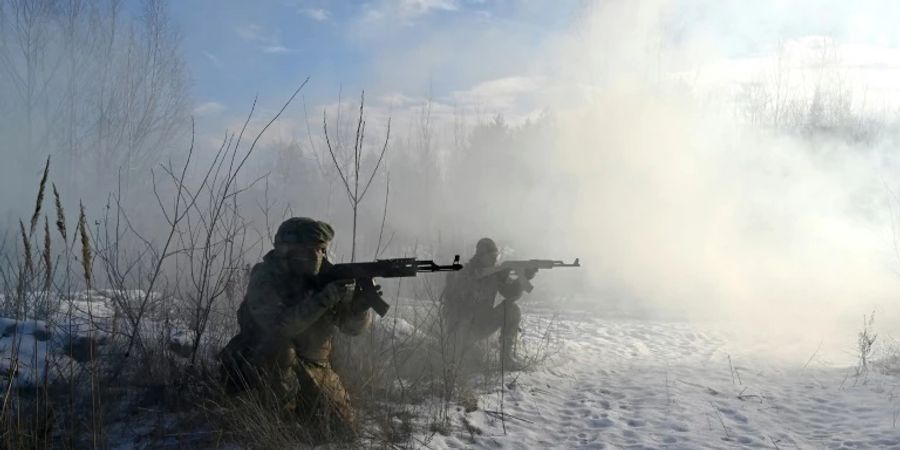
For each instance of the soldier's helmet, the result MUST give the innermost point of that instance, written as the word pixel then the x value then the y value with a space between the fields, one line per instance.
pixel 303 230
pixel 486 245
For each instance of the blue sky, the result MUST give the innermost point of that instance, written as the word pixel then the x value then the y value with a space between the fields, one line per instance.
pixel 236 50
pixel 468 50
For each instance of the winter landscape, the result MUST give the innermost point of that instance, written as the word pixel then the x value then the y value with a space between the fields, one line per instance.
pixel 677 224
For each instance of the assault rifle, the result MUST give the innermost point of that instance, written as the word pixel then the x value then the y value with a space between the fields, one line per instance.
pixel 520 267
pixel 363 272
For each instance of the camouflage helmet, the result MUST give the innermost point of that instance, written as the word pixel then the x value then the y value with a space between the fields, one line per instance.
pixel 485 245
pixel 303 230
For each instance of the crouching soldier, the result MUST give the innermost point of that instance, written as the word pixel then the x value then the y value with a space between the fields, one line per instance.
pixel 286 328
pixel 468 303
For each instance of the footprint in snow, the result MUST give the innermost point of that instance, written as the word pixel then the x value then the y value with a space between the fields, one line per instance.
pixel 601 422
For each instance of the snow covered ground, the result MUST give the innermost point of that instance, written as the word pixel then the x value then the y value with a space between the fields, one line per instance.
pixel 621 383
pixel 37 351
pixel 640 384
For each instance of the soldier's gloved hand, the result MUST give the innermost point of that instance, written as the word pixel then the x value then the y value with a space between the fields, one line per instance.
pixel 365 289
pixel 348 291
pixel 337 292
pixel 530 273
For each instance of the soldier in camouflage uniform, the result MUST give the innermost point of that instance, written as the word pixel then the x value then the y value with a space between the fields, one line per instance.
pixel 287 323
pixel 468 303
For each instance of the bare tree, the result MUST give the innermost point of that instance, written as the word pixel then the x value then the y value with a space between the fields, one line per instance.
pixel 811 96
pixel 352 185
pixel 95 88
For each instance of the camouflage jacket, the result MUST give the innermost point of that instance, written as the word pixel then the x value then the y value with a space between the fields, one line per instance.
pixel 466 295
pixel 279 309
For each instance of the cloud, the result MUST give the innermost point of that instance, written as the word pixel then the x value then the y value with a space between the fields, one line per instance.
pixel 407 10
pixel 501 92
pixel 401 100
pixel 251 32
pixel 317 14
pixel 311 9
pixel 277 49
pixel 208 108
pixel 419 7
pixel 213 59
pixel 516 98
pixel 268 41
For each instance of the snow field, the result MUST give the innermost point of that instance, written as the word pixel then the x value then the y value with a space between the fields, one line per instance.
pixel 647 385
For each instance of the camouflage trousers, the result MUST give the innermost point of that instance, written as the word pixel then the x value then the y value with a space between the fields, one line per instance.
pixel 311 391
pixel 323 402
pixel 505 318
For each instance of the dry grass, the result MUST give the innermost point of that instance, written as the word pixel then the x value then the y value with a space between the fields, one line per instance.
pixel 865 345
pixel 60 216
pixel 87 261
pixel 28 267
pixel 409 374
pixel 39 202
pixel 47 256
pixel 250 419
